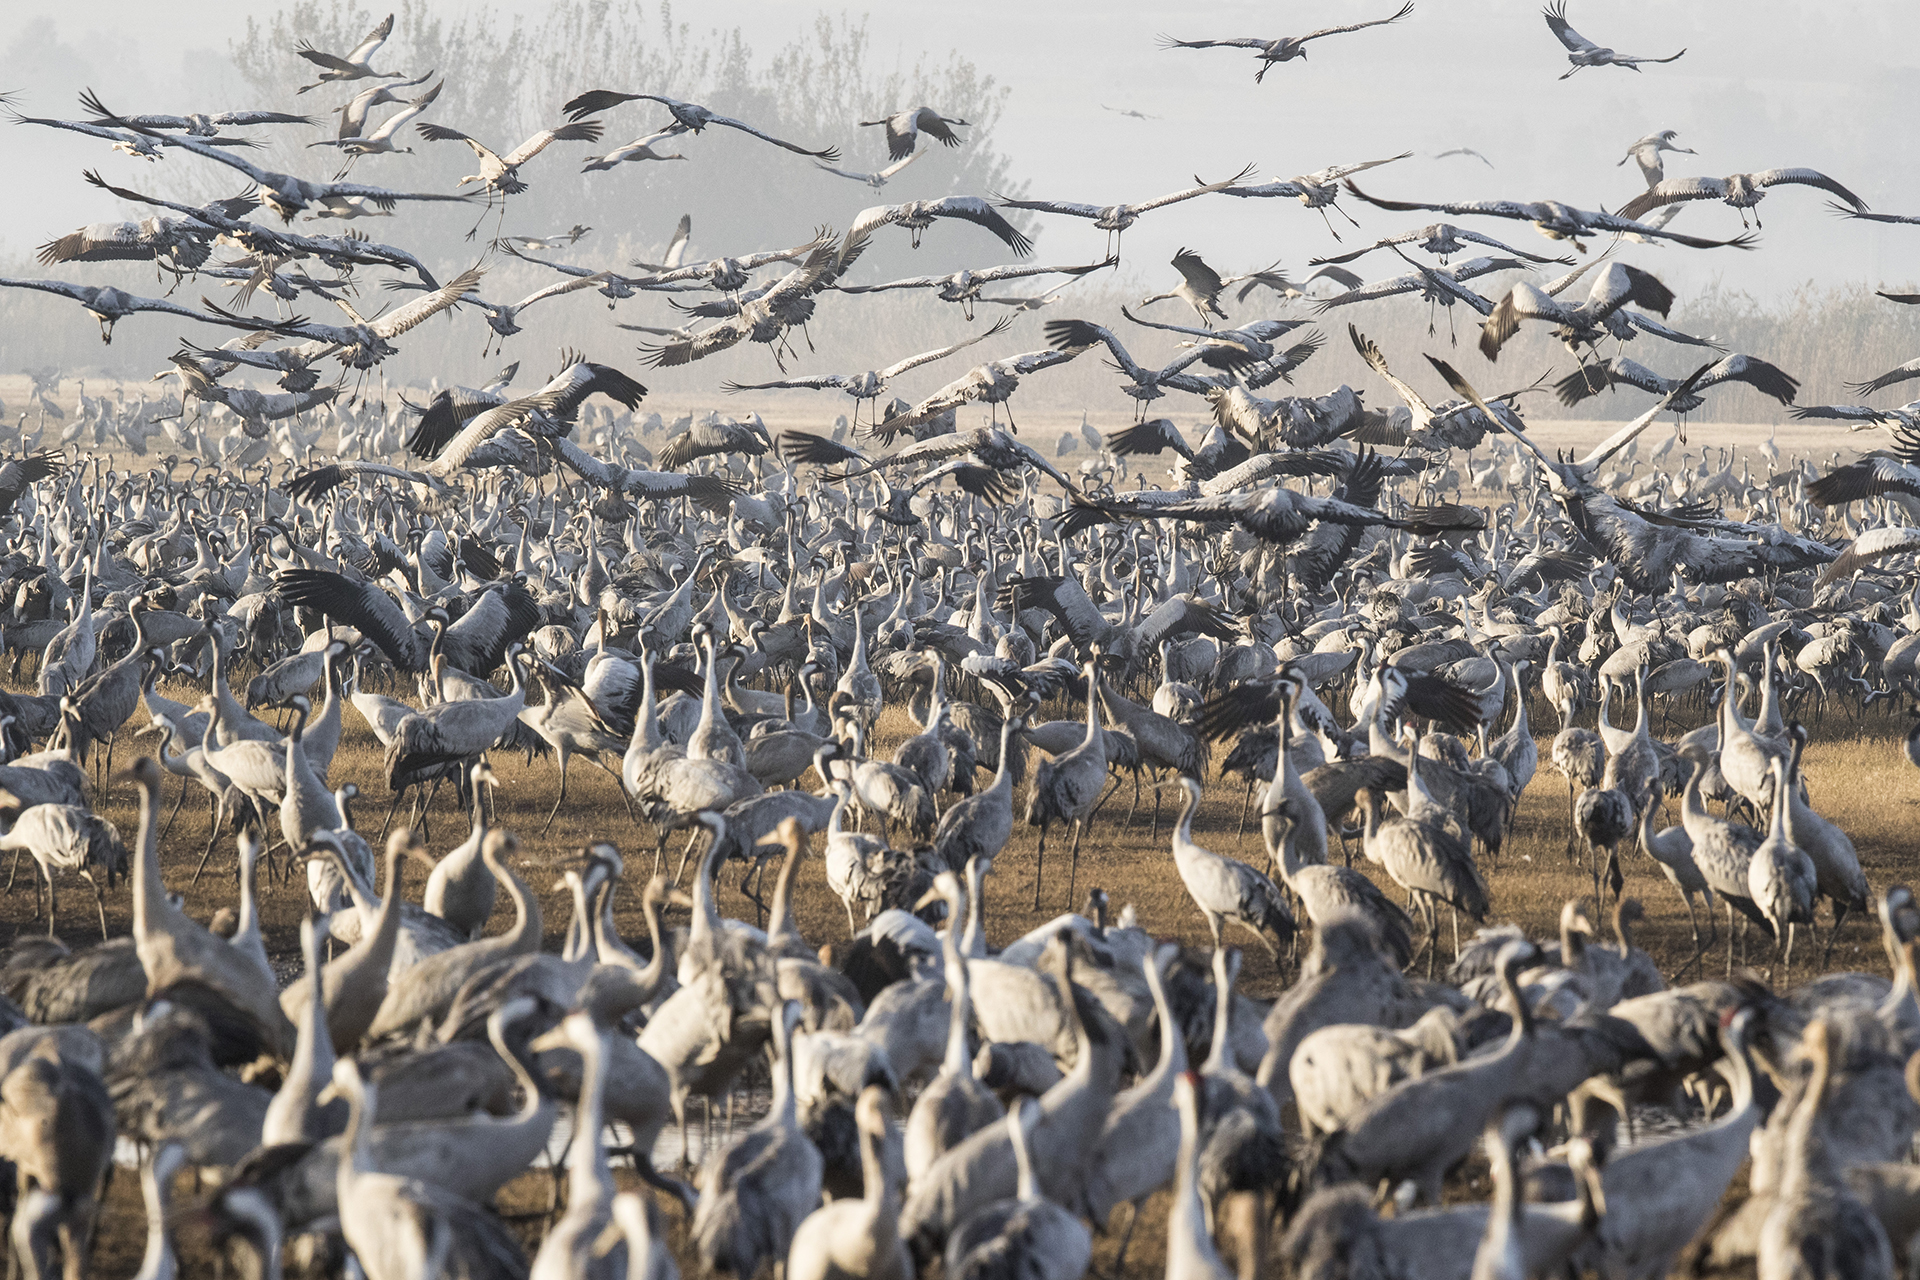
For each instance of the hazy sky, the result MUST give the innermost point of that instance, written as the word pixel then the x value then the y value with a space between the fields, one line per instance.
pixel 1829 86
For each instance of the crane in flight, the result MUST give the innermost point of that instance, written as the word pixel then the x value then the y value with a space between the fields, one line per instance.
pixel 1743 191
pixel 1552 219
pixel 1286 48
pixel 691 115
pixel 877 179
pixel 200 125
pixel 110 306
pixel 872 384
pixel 356 65
pixel 1114 219
pixel 905 127
pixel 1646 154
pixel 1582 52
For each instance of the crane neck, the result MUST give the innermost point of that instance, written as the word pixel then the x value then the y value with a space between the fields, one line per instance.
pixel 589 1182
pixel 149 891
pixel 1522 1012
pixel 781 922
pixel 1222 1015
pixel 1173 1045
pixel 957 1063
pixel 1183 829
pixel 784 1105
pixel 973 943
pixel 525 935
pixel 1027 1189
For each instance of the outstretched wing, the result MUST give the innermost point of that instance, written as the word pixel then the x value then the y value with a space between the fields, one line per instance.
pixel 981 213
pixel 1402 12
pixel 928 357
pixel 1871 546
pixel 829 154
pixel 1556 16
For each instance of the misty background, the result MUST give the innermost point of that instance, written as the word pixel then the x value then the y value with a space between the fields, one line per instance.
pixel 1828 87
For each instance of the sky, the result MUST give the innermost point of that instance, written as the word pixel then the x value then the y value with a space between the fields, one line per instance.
pixel 1827 86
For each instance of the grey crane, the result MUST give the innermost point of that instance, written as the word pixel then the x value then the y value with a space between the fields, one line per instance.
pixel 1028 1235
pixel 872 384
pixel 979 825
pixel 381 140
pixel 1317 191
pixel 690 115
pixel 858 1239
pixel 640 149
pixel 1553 219
pixel 1816 1225
pixel 1286 48
pixel 1068 788
pixel 1592 379
pixel 1226 889
pixel 955 1104
pixel 64 837
pixel 903 129
pixel 1200 287
pixel 1443 240
pixel 454 732
pixel 1646 153
pixel 110 306
pixel 356 64
pixel 1582 52
pixel 1433 864
pixel 1743 191
pixel 877 179
pixel 1781 878
pixel 1114 219
pixel 917 215
pixel 400 1227
pixel 964 286
pixel 755 1193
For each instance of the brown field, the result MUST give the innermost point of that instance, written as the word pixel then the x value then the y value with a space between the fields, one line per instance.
pixel 1856 772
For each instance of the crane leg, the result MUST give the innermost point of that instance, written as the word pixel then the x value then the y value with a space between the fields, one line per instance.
pixel 1833 934
pixel 1246 802
pixel 1729 940
pixel 99 902
pixel 213 833
pixel 53 900
pixel 559 799
pixel 176 810
pixel 1154 834
pixel 1039 863
pixel 391 810
pixel 1135 806
pixel 14 871
pixel 1073 859
pixel 1126 1238
pixel 687 853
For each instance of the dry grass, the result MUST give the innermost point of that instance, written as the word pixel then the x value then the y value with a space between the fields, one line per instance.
pixel 1856 771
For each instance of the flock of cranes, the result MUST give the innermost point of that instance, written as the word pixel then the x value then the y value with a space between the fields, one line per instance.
pixel 808 649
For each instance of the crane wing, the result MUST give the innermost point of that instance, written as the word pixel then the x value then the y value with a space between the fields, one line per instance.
pixel 374 39
pixel 360 605
pixel 1556 16
pixel 1402 12
pixel 928 357
pixel 579 131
